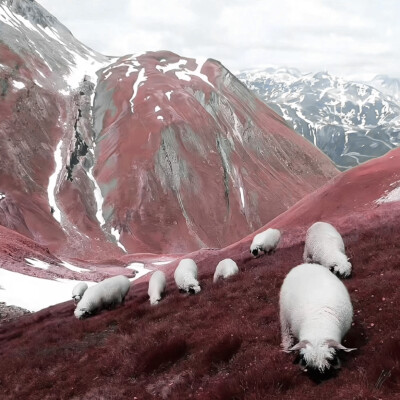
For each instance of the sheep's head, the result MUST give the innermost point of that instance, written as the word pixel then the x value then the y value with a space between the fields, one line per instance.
pixel 76 298
pixel 82 313
pixel 193 289
pixel 320 357
pixel 255 250
pixel 154 301
pixel 341 267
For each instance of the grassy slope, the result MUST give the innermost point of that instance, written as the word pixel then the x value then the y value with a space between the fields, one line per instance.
pixel 220 344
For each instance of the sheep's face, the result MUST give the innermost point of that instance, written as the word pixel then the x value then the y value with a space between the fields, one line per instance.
pixel 82 313
pixel 317 357
pixel 193 289
pixel 341 268
pixel 155 301
pixel 320 357
pixel 255 251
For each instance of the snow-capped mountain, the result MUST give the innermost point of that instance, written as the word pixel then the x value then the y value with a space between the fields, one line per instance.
pixel 350 122
pixel 388 85
pixel 149 152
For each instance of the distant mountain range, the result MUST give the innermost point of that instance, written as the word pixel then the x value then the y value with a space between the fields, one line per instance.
pixel 351 122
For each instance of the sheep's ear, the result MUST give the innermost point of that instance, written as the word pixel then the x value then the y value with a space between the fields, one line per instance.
pixel 338 346
pixel 300 345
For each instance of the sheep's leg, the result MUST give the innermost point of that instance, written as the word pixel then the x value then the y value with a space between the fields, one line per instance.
pixel 307 257
pixel 287 339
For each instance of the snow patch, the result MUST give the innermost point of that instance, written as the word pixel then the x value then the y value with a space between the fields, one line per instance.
pixel 157 108
pixel 140 270
pixel 162 262
pixel 18 85
pixel 132 67
pixel 184 73
pixel 73 267
pixel 168 94
pixel 53 182
pixel 116 234
pixel 33 293
pixel 2 196
pixel 241 196
pixel 34 262
pixel 160 117
pixel 390 197
pixel 83 67
pixel 200 62
pixel 140 80
pixel 172 66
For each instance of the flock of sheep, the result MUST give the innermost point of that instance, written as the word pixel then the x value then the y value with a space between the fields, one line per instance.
pixel 315 306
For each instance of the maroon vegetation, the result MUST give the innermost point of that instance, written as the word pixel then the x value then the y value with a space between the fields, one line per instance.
pixel 221 344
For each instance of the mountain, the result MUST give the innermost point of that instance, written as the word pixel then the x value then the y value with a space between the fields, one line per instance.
pixel 388 85
pixel 350 122
pixel 156 153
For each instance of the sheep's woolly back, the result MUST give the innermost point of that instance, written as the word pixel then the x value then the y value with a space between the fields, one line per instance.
pixel 157 284
pixel 225 268
pixel 185 276
pixel 107 293
pixel 266 241
pixel 315 306
pixel 79 290
pixel 324 245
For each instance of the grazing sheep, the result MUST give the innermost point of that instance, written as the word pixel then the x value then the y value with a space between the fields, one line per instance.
pixel 225 268
pixel 157 284
pixel 105 294
pixel 185 276
pixel 325 246
pixel 266 241
pixel 316 309
pixel 78 290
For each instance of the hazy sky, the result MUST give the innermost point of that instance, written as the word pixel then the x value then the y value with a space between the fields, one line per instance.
pixel 353 38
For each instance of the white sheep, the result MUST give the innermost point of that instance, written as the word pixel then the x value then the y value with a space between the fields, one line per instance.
pixel 157 284
pixel 105 294
pixel 225 268
pixel 315 308
pixel 324 245
pixel 185 276
pixel 78 290
pixel 266 241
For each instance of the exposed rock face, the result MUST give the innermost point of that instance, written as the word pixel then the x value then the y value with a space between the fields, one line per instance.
pixel 141 153
pixel 351 122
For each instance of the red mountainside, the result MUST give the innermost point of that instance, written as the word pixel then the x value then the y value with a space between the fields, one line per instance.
pixel 102 156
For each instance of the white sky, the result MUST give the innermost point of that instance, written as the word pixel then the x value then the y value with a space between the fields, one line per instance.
pixel 353 38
